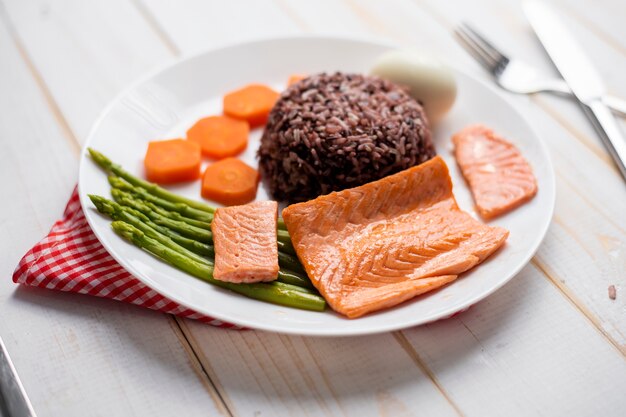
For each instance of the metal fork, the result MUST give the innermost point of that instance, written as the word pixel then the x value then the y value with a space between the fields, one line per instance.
pixel 517 76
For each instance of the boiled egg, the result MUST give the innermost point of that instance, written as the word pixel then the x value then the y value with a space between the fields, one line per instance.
pixel 427 79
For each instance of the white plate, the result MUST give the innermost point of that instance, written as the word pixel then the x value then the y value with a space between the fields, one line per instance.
pixel 166 103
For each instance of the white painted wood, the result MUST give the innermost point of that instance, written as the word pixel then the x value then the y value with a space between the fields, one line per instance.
pixel 604 18
pixel 277 375
pixel 76 355
pixel 526 350
pixel 328 17
pixel 214 23
pixel 87 52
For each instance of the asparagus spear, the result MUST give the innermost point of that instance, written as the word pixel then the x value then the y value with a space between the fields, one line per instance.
pixel 274 292
pixel 176 216
pixel 290 262
pixel 295 279
pixel 286 247
pixel 161 196
pixel 181 208
pixel 283 234
pixel 141 221
pixel 192 232
pixel 193 238
pixel 185 226
pixel 115 211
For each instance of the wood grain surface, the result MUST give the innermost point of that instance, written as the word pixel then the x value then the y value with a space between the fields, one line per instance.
pixel 550 342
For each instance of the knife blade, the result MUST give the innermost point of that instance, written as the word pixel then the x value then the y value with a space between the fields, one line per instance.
pixel 13 398
pixel 580 74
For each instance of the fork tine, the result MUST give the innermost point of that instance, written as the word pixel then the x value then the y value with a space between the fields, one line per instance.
pixel 493 51
pixel 479 47
pixel 474 49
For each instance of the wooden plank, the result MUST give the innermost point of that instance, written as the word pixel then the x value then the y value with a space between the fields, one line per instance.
pixel 86 52
pixel 342 22
pixel 75 355
pixel 266 373
pixel 523 351
pixel 605 19
pixel 214 23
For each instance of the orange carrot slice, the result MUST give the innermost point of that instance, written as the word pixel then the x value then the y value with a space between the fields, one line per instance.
pixel 171 161
pixel 251 103
pixel 295 78
pixel 220 136
pixel 230 182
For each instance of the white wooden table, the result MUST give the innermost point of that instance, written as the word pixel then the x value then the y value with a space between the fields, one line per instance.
pixel 551 342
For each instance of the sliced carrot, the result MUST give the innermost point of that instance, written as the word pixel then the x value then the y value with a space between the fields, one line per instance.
pixel 170 161
pixel 230 182
pixel 220 136
pixel 295 78
pixel 251 103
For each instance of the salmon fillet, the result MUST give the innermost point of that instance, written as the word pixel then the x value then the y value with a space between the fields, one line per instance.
pixel 497 173
pixel 244 237
pixel 377 245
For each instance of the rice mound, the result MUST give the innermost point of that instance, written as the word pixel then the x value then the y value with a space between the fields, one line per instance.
pixel 329 132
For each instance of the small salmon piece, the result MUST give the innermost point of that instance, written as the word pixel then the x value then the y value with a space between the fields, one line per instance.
pixel 246 248
pixel 497 173
pixel 374 246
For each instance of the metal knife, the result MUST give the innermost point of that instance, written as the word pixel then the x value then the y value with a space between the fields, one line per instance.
pixel 13 399
pixel 580 75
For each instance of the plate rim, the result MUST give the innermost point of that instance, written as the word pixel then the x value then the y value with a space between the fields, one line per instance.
pixel 372 40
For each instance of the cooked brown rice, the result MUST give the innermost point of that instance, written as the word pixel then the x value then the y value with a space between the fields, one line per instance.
pixel 334 131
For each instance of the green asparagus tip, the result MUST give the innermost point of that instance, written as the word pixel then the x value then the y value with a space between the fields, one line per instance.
pixel 103 205
pixel 118 194
pixel 127 231
pixel 95 199
pixel 100 159
pixel 127 199
pixel 116 182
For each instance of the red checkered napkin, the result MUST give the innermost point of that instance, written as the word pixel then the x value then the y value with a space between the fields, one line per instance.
pixel 71 258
